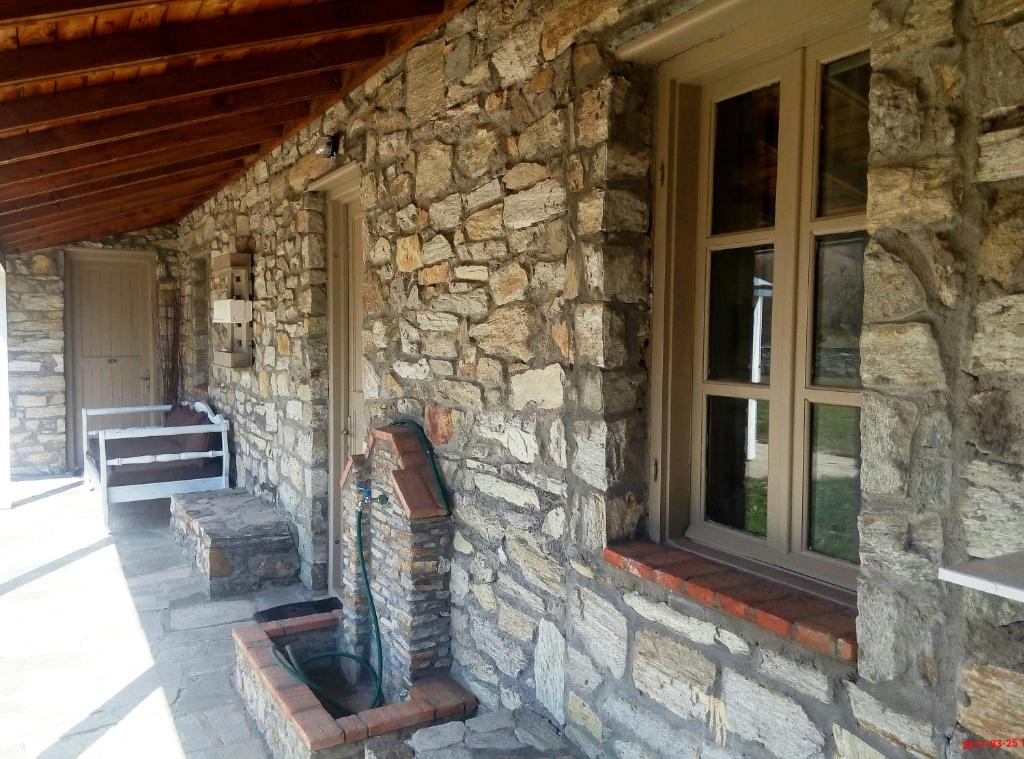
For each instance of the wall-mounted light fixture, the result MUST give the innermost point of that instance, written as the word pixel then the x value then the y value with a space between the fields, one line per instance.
pixel 329 144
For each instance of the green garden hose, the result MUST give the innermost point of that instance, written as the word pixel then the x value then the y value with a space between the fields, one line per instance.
pixel 431 457
pixel 290 663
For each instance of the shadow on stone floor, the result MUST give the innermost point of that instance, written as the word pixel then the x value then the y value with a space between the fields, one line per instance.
pixel 116 651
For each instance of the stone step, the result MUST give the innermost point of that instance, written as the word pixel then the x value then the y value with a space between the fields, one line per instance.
pixel 236 541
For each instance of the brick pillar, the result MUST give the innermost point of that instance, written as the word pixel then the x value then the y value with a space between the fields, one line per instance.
pixel 405 540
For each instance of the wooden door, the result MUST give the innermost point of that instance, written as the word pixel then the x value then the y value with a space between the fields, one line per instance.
pixel 111 335
pixel 347 426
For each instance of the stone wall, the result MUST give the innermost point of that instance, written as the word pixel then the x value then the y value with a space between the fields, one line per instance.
pixel 35 312
pixel 506 189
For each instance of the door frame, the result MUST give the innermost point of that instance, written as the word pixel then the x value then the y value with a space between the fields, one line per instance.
pixel 340 189
pixel 72 254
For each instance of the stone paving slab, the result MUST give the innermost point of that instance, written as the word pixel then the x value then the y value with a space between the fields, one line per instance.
pixel 489 735
pixel 144 667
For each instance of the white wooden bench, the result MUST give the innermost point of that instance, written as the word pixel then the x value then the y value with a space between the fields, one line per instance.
pixel 140 463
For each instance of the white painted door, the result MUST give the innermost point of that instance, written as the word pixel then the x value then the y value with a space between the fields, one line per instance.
pixel 111 335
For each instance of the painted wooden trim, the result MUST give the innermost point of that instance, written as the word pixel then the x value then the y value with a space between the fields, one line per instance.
pixel 341 177
pixel 1001 576
pixel 703 39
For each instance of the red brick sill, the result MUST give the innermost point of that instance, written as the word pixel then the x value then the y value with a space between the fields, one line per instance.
pixel 823 626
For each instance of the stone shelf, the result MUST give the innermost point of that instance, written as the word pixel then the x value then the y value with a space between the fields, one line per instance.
pixel 1000 576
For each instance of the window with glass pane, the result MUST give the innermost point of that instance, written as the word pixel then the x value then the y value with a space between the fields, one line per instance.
pixel 838 309
pixel 775 368
pixel 843 139
pixel 746 161
pixel 737 464
pixel 740 322
pixel 834 481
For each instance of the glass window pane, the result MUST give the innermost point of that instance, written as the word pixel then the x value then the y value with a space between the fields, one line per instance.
pixel 740 320
pixel 834 499
pixel 746 161
pixel 737 464
pixel 843 139
pixel 838 309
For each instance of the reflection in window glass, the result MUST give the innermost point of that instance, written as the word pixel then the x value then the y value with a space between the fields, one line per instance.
pixel 745 161
pixel 834 496
pixel 838 309
pixel 843 139
pixel 737 464
pixel 740 327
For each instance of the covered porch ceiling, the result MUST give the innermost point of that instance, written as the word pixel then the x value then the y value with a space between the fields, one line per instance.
pixel 117 115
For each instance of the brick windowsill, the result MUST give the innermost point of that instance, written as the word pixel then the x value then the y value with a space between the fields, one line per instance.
pixel 823 626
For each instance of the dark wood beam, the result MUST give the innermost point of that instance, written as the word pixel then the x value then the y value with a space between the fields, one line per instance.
pixel 175 41
pixel 25 11
pixel 163 117
pixel 153 189
pixel 149 143
pixel 116 97
pixel 94 229
pixel 233 161
pixel 48 181
pixel 82 225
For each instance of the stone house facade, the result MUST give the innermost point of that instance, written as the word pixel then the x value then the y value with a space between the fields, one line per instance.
pixel 507 187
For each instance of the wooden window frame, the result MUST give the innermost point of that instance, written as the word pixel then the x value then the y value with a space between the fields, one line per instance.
pixel 682 241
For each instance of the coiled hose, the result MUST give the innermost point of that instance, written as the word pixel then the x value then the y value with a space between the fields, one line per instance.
pixel 289 661
pixel 291 664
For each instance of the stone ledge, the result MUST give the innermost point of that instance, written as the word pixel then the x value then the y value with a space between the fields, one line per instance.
pixel 823 626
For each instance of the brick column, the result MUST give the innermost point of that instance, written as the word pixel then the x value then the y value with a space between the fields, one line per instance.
pixel 405 540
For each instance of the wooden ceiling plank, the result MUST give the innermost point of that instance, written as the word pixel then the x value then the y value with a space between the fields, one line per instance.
pixel 94 230
pixel 100 215
pixel 172 173
pixel 260 136
pixel 183 40
pixel 25 11
pixel 61 163
pixel 62 107
pixel 125 200
pixel 164 117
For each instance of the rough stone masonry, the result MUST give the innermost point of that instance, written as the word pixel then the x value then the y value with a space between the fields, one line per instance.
pixel 506 186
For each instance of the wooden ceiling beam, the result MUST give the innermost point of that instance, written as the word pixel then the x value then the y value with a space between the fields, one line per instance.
pixel 94 229
pixel 149 143
pixel 175 41
pixel 235 160
pixel 151 189
pixel 116 97
pixel 164 117
pixel 102 215
pixel 258 137
pixel 28 11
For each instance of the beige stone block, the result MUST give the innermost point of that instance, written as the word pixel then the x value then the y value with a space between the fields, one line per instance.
pixel 901 357
pixel 1001 155
pixel 891 289
pixel 998 344
pixel 485 224
pixel 409 256
pixel 911 197
pixel 524 175
pixel 508 284
pixel 424 72
pixel 432 275
pixel 995 705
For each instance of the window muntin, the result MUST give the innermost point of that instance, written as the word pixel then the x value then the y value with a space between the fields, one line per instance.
pixel 791 499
